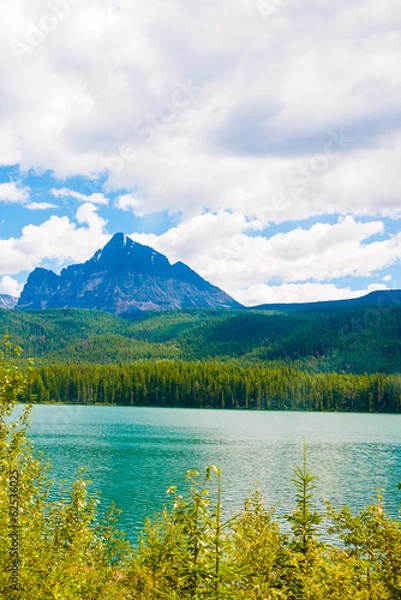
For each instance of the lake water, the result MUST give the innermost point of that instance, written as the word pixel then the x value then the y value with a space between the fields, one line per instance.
pixel 133 454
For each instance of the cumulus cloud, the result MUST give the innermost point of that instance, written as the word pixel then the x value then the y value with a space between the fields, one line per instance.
pixel 223 123
pixel 58 240
pixel 86 213
pixel 12 192
pixel 129 202
pixel 236 256
pixel 10 286
pixel 95 198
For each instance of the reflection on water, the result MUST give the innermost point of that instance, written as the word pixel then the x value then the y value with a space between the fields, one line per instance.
pixel 133 454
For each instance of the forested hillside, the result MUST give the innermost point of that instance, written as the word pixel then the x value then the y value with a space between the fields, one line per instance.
pixel 214 385
pixel 356 340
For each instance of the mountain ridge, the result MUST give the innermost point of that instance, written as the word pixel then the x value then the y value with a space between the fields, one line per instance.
pixel 7 301
pixel 124 278
pixel 378 298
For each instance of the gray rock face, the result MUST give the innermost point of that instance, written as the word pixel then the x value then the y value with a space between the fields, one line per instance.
pixel 7 301
pixel 123 278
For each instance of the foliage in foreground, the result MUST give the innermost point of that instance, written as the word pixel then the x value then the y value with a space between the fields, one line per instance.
pixel 60 550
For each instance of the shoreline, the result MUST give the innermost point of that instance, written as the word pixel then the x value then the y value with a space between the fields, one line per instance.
pixel 205 408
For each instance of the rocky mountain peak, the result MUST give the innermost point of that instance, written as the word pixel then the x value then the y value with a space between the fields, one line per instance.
pixel 124 277
pixel 122 253
pixel 119 245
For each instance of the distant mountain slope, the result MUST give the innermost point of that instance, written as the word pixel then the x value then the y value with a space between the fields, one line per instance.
pixel 7 301
pixel 123 278
pixel 355 340
pixel 377 299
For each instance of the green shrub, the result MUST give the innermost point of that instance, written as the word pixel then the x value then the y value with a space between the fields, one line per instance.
pixel 49 550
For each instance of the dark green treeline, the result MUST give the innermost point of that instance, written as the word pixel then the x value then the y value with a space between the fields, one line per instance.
pixel 214 385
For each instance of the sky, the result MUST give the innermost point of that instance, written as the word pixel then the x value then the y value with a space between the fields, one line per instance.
pixel 258 141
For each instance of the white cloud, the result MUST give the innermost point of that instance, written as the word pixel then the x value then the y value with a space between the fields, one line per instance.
pixel 94 198
pixel 375 287
pixel 58 240
pixel 10 286
pixel 264 97
pixel 86 213
pixel 40 206
pixel 129 202
pixel 12 192
pixel 226 249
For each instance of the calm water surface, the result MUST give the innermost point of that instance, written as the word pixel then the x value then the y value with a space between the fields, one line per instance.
pixel 133 454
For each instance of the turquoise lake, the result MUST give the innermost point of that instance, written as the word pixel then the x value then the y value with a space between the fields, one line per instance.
pixel 133 454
